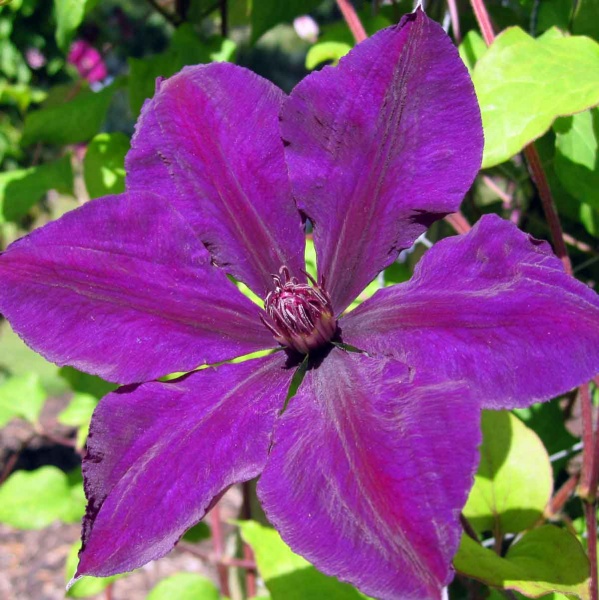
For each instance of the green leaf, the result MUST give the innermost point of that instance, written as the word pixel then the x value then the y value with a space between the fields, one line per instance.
pixel 70 121
pixel 85 383
pixel 514 479
pixel 472 49
pixel 326 52
pixel 184 586
pixel 268 13
pixel 577 155
pixel 35 499
pixel 18 359
pixel 86 586
pixel 104 164
pixel 547 559
pixel 524 84
pixel 197 533
pixel 567 204
pixel 186 48
pixel 546 419
pixel 21 396
pixel 287 575
pixel 21 189
pixel 586 18
pixel 78 414
pixel 69 15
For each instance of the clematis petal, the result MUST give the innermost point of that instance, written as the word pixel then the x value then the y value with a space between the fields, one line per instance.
pixel 160 453
pixel 209 139
pixel 493 307
pixel 123 289
pixel 379 149
pixel 368 474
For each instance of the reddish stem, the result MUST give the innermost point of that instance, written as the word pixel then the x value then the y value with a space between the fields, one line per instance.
pixel 218 545
pixel 455 20
pixel 459 222
pixel 468 529
pixel 352 20
pixel 549 208
pixel 209 557
pixel 248 553
pixel 562 495
pixel 483 20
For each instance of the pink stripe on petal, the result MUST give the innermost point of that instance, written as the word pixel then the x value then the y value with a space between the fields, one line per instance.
pixel 380 147
pixel 209 141
pixel 122 288
pixel 369 472
pixel 160 453
pixel 493 307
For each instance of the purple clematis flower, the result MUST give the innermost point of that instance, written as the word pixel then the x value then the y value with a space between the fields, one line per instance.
pixel 366 470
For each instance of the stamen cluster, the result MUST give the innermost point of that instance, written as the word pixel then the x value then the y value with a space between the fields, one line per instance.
pixel 301 314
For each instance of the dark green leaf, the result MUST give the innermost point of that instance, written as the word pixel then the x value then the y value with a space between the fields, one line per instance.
pixel 21 189
pixel 70 121
pixel 186 48
pixel 577 155
pixel 268 13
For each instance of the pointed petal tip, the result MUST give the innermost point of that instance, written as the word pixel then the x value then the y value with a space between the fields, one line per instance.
pixel 76 577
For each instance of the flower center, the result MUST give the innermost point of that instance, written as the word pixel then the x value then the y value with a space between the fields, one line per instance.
pixel 301 314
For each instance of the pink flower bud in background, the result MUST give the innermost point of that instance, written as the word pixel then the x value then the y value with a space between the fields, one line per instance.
pixel 35 58
pixel 306 28
pixel 88 61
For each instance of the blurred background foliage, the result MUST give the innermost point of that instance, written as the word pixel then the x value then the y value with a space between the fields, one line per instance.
pixel 73 77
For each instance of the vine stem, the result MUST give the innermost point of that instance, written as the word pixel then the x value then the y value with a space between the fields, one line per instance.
pixel 353 21
pixel 248 553
pixel 218 546
pixel 590 461
pixel 173 19
pixel 455 20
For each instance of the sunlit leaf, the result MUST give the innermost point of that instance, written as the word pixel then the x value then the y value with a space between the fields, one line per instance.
pixel 472 48
pixel 323 52
pixel 69 15
pixel 524 84
pixel 21 396
pixel 17 358
pixel 104 164
pixel 184 586
pixel 287 575
pixel 35 499
pixel 514 479
pixel 78 414
pixel 547 559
